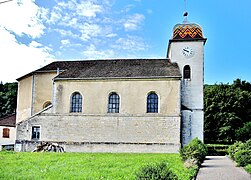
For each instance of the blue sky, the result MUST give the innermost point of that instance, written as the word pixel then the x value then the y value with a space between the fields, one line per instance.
pixel 34 33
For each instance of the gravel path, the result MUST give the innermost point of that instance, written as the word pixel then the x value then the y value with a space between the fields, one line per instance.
pixel 221 168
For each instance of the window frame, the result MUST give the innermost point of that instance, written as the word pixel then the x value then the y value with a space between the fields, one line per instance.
pixel 113 103
pixel 6 133
pixel 37 133
pixel 187 72
pixel 155 103
pixel 75 105
pixel 46 104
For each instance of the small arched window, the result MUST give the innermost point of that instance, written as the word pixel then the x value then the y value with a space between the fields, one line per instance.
pixel 187 72
pixel 76 102
pixel 46 104
pixel 113 103
pixel 152 103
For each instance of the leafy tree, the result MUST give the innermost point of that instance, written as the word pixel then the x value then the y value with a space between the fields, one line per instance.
pixel 8 98
pixel 227 109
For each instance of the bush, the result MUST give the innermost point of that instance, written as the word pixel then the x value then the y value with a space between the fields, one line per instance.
pixel 234 148
pixel 248 168
pixel 194 150
pixel 156 171
pixel 241 153
pixel 217 149
pixel 243 157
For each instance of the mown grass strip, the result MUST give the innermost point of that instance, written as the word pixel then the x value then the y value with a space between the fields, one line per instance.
pixel 84 165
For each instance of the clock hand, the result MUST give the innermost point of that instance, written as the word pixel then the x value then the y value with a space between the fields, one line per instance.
pixel 185 50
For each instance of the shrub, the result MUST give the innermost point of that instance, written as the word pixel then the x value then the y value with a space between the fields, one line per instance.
pixel 156 171
pixel 217 149
pixel 243 157
pixel 241 153
pixel 234 148
pixel 194 150
pixel 248 168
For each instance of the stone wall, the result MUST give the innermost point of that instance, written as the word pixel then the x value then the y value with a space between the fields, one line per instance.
pixel 104 133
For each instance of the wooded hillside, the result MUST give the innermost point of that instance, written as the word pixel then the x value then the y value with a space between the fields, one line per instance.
pixel 8 98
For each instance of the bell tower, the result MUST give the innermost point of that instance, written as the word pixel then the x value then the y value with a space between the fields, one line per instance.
pixel 186 48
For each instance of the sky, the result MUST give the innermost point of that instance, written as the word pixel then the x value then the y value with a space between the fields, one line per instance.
pixel 34 33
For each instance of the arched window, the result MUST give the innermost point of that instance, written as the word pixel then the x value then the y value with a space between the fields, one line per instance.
pixel 76 102
pixel 152 103
pixel 113 103
pixel 46 104
pixel 187 72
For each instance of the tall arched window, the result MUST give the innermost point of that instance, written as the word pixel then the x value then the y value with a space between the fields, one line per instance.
pixel 152 103
pixel 76 102
pixel 187 72
pixel 113 103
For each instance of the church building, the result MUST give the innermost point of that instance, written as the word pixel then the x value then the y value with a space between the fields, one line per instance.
pixel 117 105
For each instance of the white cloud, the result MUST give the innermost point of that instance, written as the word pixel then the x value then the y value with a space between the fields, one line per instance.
pixel 111 35
pixel 55 16
pixel 133 22
pixel 88 9
pixel 89 30
pixel 65 41
pixel 66 33
pixel 92 53
pixel 19 59
pixel 132 43
pixel 23 19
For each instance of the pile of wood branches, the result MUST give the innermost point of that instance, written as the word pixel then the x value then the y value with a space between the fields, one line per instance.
pixel 48 147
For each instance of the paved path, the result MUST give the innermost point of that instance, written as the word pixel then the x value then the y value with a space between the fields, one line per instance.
pixel 221 168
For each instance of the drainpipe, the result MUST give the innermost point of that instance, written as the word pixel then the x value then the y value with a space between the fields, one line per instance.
pixel 54 92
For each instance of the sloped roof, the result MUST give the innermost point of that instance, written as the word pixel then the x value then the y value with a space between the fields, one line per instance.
pixel 113 68
pixel 9 120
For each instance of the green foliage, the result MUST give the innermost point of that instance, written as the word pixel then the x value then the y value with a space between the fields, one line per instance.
pixel 194 150
pixel 234 148
pixel 244 133
pixel 241 153
pixel 217 150
pixel 227 110
pixel 243 157
pixel 156 171
pixel 8 98
pixel 27 165
pixel 248 168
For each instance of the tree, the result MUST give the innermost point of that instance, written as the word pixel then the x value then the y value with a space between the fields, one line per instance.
pixel 8 98
pixel 227 109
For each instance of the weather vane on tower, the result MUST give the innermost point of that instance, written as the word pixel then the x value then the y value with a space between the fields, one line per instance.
pixel 185 11
pixel 18 1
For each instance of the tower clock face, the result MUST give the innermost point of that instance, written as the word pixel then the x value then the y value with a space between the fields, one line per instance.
pixel 187 51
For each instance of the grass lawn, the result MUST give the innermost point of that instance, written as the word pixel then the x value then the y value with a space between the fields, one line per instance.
pixel 26 165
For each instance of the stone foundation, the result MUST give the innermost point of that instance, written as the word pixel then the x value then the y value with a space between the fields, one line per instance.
pixel 103 133
pixel 102 147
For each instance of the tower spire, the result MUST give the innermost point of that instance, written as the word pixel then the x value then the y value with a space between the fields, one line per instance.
pixel 185 14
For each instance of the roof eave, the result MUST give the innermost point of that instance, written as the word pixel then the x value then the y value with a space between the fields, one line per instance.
pixel 106 78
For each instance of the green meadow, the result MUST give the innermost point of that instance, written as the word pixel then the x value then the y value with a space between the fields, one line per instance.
pixel 27 165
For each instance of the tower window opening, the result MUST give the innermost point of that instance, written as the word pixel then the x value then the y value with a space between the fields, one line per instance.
pixel 187 72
